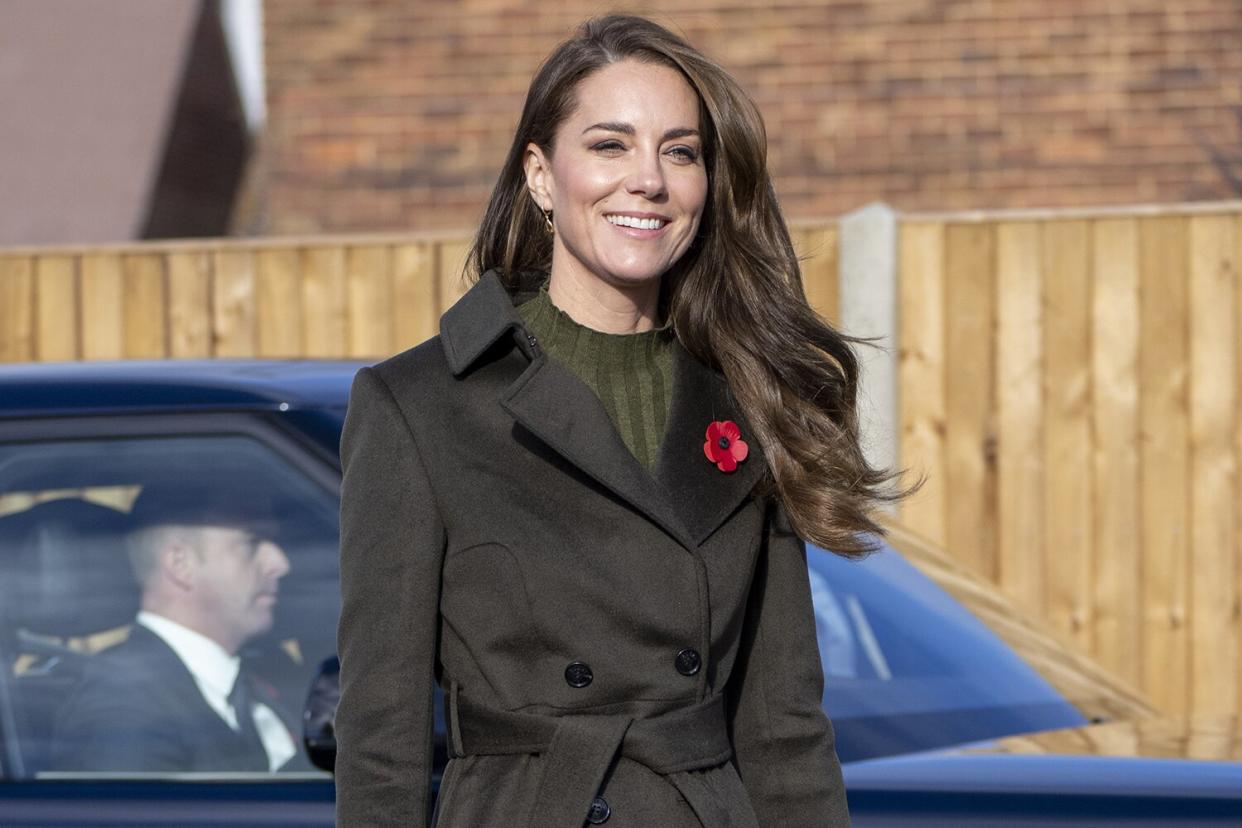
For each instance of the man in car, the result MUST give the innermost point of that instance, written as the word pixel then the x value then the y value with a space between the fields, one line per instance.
pixel 175 696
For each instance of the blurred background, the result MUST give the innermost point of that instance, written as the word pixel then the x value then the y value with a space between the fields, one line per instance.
pixel 1033 203
pixel 130 119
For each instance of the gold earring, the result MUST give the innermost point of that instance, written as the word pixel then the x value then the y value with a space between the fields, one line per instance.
pixel 547 218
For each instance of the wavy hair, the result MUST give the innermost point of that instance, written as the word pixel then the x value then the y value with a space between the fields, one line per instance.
pixel 735 298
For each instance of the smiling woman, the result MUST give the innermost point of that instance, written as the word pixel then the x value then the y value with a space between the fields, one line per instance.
pixel 625 189
pixel 576 508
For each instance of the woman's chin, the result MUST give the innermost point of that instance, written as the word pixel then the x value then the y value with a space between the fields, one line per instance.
pixel 634 276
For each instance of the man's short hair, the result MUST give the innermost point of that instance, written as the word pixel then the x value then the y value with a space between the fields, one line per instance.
pixel 166 507
pixel 144 544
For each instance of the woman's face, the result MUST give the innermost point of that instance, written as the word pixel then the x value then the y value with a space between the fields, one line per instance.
pixel 626 182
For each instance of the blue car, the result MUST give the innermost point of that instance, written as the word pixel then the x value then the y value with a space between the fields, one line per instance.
pixel 951 708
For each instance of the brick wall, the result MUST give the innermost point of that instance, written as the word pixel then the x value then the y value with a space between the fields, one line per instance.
pixel 396 114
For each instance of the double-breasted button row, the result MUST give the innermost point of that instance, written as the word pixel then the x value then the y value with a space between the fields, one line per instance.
pixel 599 811
pixel 688 661
pixel 578 674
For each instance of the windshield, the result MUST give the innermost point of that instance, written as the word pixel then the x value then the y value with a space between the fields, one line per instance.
pixel 906 667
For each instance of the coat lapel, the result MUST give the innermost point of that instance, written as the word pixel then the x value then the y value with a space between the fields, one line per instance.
pixel 686 494
pixel 563 412
pixel 703 495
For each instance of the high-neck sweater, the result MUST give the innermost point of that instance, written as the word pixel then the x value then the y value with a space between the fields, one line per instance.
pixel 632 374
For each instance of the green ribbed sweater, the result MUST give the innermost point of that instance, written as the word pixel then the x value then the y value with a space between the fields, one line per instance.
pixel 632 374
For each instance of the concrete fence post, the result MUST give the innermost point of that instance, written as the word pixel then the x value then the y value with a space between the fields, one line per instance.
pixel 868 284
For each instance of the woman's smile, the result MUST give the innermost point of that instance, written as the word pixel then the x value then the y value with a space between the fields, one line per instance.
pixel 625 180
pixel 638 225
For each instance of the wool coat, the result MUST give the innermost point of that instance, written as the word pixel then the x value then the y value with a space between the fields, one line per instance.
pixel 617 645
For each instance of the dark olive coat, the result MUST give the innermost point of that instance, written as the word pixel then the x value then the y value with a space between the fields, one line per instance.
pixel 495 531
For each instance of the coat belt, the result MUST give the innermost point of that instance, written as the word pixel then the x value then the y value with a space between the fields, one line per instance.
pixel 577 750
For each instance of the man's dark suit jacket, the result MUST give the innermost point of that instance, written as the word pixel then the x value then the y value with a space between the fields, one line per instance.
pixel 138 708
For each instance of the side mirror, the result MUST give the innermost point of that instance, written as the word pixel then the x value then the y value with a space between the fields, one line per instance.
pixel 319 715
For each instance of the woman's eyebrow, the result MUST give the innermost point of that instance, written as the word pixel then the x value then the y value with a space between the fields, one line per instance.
pixel 679 132
pixel 628 129
pixel 611 126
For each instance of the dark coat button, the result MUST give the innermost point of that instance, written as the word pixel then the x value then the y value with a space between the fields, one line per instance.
pixel 688 661
pixel 578 674
pixel 599 812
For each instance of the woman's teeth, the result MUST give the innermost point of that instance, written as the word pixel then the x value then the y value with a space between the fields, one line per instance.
pixel 638 223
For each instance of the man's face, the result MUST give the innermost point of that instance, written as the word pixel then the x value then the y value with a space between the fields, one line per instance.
pixel 236 578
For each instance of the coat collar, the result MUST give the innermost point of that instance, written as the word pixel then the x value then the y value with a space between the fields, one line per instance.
pixel 478 320
pixel 685 494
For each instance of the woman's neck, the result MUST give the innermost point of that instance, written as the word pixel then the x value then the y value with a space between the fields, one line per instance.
pixel 596 304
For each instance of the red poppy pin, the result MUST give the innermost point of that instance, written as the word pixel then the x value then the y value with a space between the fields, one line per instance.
pixel 725 446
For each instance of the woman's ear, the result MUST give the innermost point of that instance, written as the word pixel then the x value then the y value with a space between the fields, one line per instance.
pixel 538 168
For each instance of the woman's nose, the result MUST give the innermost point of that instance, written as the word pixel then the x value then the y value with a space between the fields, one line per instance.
pixel 647 177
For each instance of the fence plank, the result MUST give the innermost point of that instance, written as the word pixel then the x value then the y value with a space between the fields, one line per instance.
pixel 415 316
pixel 1068 526
pixel 233 317
pixel 450 263
pixel 1237 454
pixel 56 312
pixel 921 372
pixel 1114 378
pixel 189 304
pixel 1019 403
pixel 103 317
pixel 368 279
pixel 817 249
pixel 323 296
pixel 16 309
pixel 278 295
pixel 1214 631
pixel 1164 442
pixel 145 306
pixel 1212 743
pixel 827 297
pixel 970 440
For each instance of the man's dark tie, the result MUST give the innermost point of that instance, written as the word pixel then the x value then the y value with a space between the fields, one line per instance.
pixel 240 699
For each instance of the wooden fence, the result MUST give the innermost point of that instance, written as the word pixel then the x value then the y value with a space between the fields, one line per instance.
pixel 321 297
pixel 1071 387
pixel 1068 383
pixel 314 298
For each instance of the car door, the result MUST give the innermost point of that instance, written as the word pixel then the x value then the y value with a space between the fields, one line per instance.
pixel 72 587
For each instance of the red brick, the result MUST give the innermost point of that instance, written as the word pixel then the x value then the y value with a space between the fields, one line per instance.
pixel 388 114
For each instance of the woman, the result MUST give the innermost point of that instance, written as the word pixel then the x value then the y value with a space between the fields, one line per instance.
pixel 617 610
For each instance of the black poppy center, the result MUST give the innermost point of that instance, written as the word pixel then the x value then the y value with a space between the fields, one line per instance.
pixel 723 442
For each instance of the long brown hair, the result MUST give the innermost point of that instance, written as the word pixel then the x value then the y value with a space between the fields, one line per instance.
pixel 735 298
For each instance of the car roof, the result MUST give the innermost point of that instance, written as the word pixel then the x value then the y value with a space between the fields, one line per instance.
pixel 44 389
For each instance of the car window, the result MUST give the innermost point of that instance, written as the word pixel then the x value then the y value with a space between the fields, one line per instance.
pixel 153 589
pixel 908 668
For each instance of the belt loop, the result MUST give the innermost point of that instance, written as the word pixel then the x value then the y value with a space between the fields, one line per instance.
pixel 454 726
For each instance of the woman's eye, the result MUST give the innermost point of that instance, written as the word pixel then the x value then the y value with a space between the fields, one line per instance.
pixel 608 146
pixel 685 154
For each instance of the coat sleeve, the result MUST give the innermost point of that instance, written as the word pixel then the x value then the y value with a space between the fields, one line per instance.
pixel 784 744
pixel 392 545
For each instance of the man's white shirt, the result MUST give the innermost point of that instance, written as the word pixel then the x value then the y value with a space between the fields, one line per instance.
pixel 215 671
